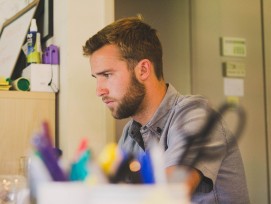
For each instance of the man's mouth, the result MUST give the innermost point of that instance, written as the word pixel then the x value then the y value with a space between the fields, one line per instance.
pixel 107 101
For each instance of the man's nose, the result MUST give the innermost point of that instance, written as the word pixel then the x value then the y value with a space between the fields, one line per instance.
pixel 100 91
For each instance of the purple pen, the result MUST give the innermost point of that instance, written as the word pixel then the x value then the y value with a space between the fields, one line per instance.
pixel 49 157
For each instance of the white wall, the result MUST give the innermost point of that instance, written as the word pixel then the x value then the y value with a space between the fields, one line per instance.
pixel 9 8
pixel 80 112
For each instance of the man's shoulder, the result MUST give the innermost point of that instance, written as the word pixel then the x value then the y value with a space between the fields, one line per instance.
pixel 127 125
pixel 125 131
pixel 192 101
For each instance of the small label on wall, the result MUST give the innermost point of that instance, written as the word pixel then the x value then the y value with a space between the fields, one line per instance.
pixel 234 69
pixel 233 47
pixel 233 87
pixel 233 99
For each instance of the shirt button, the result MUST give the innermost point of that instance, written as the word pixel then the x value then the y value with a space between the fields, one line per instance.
pixel 159 130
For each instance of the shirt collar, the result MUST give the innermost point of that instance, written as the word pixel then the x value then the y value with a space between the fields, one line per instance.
pixel 157 122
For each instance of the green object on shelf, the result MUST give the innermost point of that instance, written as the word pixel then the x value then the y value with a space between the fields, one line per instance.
pixel 21 84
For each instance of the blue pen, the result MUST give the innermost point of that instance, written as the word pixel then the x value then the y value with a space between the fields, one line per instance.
pixel 146 170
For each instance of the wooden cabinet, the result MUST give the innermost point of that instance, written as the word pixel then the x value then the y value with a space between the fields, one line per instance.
pixel 21 115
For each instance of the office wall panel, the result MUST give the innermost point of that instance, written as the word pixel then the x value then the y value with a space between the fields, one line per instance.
pixel 211 20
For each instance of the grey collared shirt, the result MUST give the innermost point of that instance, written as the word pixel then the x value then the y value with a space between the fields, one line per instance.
pixel 177 118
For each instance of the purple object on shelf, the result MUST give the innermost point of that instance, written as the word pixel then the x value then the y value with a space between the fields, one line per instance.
pixel 51 55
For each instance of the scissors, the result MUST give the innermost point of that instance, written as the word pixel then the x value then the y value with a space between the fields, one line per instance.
pixel 201 137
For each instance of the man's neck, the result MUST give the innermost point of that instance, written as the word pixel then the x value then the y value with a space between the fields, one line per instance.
pixel 151 103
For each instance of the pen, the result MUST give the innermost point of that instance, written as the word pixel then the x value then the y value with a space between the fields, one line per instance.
pixel 48 156
pixel 146 168
pixel 79 169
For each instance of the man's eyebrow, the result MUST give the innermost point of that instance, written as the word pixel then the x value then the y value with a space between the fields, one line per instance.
pixel 100 73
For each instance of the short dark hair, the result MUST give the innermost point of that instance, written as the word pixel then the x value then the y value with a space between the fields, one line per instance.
pixel 135 39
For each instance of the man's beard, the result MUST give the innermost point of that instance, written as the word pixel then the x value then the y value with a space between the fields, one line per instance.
pixel 131 101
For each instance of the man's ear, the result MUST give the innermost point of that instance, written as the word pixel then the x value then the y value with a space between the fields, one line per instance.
pixel 143 69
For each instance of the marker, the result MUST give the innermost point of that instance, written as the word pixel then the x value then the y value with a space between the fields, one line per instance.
pixel 146 168
pixel 79 169
pixel 49 157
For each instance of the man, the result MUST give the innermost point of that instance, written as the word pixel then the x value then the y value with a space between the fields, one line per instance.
pixel 126 60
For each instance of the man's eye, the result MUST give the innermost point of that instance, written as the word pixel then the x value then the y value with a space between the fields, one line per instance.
pixel 106 75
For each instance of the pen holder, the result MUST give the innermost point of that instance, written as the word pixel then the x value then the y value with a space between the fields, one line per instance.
pixel 56 192
pixel 21 84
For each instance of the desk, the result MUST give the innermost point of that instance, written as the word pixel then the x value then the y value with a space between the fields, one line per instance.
pixel 21 114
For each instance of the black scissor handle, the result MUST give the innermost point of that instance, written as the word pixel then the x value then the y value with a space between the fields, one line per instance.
pixel 203 135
